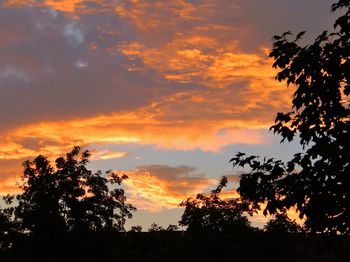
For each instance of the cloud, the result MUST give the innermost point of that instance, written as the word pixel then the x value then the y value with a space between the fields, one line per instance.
pixel 89 67
pixel 8 186
pixel 156 187
pixel 11 150
pixel 58 5
pixel 10 175
pixel 76 74
pixel 200 59
pixel 178 75
pixel 144 127
pixel 106 154
pixel 73 33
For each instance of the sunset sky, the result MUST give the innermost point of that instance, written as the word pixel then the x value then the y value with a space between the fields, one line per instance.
pixel 163 91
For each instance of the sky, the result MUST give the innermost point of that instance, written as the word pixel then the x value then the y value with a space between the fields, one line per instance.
pixel 163 91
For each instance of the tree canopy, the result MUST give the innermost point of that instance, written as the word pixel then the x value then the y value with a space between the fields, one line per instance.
pixel 211 213
pixel 69 197
pixel 282 224
pixel 317 180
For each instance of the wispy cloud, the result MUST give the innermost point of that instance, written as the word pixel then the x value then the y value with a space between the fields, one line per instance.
pixel 106 154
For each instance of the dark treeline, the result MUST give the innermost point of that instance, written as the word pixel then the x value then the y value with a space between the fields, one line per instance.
pixel 66 212
pixel 180 246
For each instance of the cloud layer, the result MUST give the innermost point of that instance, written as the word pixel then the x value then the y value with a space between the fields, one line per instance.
pixel 69 66
pixel 179 75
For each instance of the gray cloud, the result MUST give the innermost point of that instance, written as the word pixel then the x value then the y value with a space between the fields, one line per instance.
pixel 172 173
pixel 48 70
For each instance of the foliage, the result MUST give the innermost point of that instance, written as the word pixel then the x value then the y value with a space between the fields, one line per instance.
pixel 282 224
pixel 92 201
pixel 69 197
pixel 172 228
pixel 137 228
pixel 8 229
pixel 317 180
pixel 213 213
pixel 155 227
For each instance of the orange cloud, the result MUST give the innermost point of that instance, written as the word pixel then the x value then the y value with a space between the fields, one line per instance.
pixel 146 126
pixel 10 176
pixel 142 15
pixel 171 14
pixel 156 187
pixel 58 5
pixel 9 185
pixel 200 59
pixel 63 5
pixel 11 150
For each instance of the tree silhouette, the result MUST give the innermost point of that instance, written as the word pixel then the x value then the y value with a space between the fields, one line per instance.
pixel 90 204
pixel 211 213
pixel 39 206
pixel 155 227
pixel 317 180
pixel 282 224
pixel 137 228
pixel 69 197
pixel 8 229
pixel 172 228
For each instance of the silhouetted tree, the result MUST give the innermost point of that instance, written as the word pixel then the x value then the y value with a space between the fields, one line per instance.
pixel 8 229
pixel 317 180
pixel 155 227
pixel 172 228
pixel 69 197
pixel 281 223
pixel 137 228
pixel 91 200
pixel 211 213
pixel 39 206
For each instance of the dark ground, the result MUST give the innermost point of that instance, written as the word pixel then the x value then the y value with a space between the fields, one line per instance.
pixel 180 246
